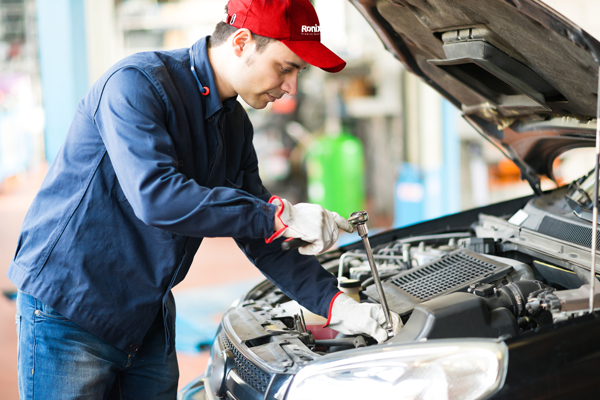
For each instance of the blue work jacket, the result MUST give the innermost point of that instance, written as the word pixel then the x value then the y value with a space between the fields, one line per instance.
pixel 149 167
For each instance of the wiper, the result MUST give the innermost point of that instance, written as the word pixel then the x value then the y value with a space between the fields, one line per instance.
pixel 579 207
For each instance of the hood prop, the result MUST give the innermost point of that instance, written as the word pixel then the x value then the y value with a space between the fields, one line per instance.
pixel 595 51
pixel 595 207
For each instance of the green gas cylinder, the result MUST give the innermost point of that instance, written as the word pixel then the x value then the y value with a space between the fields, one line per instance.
pixel 335 172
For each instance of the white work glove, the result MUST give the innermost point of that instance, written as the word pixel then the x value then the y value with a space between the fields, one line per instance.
pixel 311 223
pixel 349 317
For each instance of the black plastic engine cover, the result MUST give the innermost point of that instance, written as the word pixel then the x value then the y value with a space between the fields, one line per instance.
pixel 457 315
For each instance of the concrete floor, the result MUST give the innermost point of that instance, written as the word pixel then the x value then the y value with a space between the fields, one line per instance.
pixel 218 261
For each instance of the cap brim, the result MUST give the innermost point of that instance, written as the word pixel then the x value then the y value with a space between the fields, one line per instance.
pixel 317 54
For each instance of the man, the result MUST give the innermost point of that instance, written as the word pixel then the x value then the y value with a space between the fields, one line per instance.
pixel 158 156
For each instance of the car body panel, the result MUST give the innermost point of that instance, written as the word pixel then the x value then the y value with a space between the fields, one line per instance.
pixel 532 93
pixel 555 363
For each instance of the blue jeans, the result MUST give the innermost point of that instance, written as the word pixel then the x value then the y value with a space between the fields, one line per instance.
pixel 60 360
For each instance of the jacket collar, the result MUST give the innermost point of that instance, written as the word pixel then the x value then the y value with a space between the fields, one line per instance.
pixel 207 78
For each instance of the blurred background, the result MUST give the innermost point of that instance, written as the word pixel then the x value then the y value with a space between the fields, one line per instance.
pixel 371 137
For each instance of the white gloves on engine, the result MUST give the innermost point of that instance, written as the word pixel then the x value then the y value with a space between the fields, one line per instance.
pixel 311 223
pixel 349 317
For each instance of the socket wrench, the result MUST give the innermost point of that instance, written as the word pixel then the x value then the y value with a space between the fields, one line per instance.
pixel 359 220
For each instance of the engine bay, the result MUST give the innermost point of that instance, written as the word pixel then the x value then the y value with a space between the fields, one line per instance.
pixel 500 278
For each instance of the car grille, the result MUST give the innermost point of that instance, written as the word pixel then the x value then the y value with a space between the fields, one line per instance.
pixel 448 273
pixel 246 369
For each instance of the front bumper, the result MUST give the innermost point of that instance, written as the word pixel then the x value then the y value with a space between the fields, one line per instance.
pixel 233 372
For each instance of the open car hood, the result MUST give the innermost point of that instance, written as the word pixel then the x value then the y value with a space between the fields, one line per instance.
pixel 522 74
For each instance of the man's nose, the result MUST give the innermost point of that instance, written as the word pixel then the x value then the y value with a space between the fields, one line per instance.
pixel 290 85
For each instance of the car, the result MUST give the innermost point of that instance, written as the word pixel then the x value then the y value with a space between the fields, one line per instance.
pixel 498 302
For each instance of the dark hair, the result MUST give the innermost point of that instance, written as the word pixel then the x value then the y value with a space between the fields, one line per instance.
pixel 223 31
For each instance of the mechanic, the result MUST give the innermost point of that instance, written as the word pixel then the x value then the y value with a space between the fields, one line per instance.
pixel 158 156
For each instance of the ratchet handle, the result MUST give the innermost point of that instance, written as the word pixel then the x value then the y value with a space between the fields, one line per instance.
pixel 293 244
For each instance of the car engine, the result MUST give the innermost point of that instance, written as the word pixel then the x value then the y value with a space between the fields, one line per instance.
pixel 500 278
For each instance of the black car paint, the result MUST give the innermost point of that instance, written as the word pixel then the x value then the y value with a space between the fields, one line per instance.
pixel 556 362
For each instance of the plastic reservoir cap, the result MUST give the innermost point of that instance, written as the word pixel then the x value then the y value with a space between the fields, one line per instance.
pixel 349 283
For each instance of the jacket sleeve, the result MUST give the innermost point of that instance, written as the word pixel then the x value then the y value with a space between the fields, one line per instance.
pixel 131 118
pixel 300 277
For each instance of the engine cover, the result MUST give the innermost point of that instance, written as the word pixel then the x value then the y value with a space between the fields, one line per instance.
pixel 457 315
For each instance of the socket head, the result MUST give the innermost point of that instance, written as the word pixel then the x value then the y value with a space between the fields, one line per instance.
pixel 358 218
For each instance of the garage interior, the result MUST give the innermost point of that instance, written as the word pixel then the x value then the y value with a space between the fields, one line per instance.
pixel 415 157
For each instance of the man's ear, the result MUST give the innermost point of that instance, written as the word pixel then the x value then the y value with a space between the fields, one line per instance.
pixel 241 40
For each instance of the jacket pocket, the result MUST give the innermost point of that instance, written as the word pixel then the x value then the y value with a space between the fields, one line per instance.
pixel 236 182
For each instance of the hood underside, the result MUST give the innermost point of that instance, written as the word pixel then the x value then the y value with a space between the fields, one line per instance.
pixel 522 74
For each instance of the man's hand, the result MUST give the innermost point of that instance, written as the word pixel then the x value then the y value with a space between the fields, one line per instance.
pixel 309 222
pixel 351 318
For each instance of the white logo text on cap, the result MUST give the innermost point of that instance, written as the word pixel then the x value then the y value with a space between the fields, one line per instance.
pixel 311 29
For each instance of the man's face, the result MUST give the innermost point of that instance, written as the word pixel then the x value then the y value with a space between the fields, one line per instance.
pixel 266 76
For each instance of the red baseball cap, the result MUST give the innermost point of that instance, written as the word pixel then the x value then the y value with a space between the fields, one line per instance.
pixel 292 22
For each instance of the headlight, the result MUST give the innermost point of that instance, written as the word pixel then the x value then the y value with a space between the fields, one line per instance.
pixel 444 370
